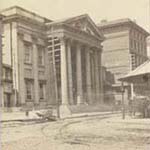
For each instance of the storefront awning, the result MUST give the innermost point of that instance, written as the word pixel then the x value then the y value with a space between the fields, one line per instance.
pixel 140 74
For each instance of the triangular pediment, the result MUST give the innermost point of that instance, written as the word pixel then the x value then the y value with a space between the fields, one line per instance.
pixel 84 23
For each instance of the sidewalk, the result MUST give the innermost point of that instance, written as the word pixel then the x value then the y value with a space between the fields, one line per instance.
pixel 21 116
pixel 17 116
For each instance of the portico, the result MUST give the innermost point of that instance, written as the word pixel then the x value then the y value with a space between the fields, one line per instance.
pixel 74 48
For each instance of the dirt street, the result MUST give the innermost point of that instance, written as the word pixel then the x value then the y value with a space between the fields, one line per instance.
pixel 93 133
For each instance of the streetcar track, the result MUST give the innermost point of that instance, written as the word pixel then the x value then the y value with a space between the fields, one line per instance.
pixel 61 135
pixel 62 132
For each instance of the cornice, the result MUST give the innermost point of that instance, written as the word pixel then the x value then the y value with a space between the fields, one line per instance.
pixel 128 23
pixel 19 18
pixel 76 37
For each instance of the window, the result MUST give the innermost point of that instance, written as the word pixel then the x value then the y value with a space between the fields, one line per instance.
pixel 134 44
pixel 28 53
pixel 133 61
pixel 29 89
pixel 138 47
pixel 41 91
pixel 131 43
pixel 7 74
pixel 41 54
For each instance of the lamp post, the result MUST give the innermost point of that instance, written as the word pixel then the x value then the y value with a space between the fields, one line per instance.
pixel 123 104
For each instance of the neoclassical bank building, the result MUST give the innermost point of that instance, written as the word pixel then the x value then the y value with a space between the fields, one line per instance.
pixel 53 62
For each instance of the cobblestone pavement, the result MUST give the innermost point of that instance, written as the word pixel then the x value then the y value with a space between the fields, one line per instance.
pixel 93 133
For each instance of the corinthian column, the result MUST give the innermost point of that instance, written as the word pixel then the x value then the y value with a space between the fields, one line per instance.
pixel 79 75
pixel 70 84
pixel 35 67
pixel 97 76
pixel 64 110
pixel 64 83
pixel 100 76
pixel 88 76
pixel 22 88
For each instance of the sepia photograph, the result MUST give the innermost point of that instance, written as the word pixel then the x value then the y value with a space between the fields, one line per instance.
pixel 74 74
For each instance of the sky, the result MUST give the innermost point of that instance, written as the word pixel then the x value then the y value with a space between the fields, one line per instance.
pixel 97 9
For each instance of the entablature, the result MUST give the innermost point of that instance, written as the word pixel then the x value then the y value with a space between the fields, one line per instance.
pixel 69 32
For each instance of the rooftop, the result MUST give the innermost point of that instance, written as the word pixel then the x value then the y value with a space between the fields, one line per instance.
pixel 126 21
